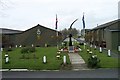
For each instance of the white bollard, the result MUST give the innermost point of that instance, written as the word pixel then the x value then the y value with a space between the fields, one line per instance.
pixel 62 50
pixel 80 49
pixel 20 46
pixel 32 45
pixel 64 59
pixel 88 50
pixel 7 59
pixel 118 48
pixel 100 50
pixel 95 47
pixel 1 49
pixel 10 47
pixel 16 46
pixel 91 45
pixel 44 59
pixel 109 53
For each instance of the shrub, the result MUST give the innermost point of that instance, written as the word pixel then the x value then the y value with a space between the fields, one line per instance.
pixel 28 49
pixel 31 49
pixel 93 61
pixel 24 50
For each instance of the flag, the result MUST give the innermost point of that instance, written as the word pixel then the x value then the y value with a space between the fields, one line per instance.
pixel 83 22
pixel 56 22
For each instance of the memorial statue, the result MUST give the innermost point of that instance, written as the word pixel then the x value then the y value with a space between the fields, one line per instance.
pixel 71 47
pixel 70 35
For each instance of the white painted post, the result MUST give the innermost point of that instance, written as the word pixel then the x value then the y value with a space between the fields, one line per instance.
pixel 7 59
pixel 20 46
pixel 10 47
pixel 100 50
pixel 95 47
pixel 1 49
pixel 44 59
pixel 118 48
pixel 88 50
pixel 16 46
pixel 32 45
pixel 64 59
pixel 80 49
pixel 109 53
pixel 91 45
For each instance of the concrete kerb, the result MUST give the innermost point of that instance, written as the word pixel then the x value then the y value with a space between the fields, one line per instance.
pixel 24 70
pixel 41 70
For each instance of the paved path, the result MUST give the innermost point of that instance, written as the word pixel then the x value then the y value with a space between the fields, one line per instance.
pixel 77 62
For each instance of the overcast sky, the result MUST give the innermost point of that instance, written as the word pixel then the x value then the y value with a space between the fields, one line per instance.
pixel 24 14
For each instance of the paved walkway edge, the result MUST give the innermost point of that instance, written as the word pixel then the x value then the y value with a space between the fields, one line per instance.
pixel 77 62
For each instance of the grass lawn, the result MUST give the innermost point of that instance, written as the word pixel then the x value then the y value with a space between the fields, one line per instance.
pixel 34 63
pixel 105 61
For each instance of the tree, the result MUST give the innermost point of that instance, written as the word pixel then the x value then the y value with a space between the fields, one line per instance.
pixel 66 32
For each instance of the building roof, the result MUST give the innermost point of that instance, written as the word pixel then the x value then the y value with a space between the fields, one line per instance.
pixel 38 25
pixel 9 31
pixel 106 24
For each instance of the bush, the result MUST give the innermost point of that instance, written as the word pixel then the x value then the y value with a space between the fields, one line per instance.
pixel 24 50
pixel 31 49
pixel 93 61
pixel 28 49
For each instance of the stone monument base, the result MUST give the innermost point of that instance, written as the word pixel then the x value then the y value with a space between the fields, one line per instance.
pixel 71 49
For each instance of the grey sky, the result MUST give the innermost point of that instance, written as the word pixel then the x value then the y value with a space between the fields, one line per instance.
pixel 24 14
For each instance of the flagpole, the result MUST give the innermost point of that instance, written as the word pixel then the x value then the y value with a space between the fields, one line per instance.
pixel 83 30
pixel 56 30
pixel 83 26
